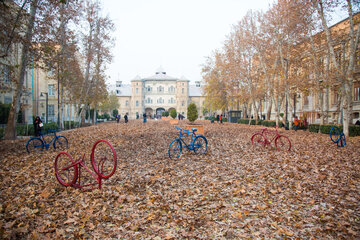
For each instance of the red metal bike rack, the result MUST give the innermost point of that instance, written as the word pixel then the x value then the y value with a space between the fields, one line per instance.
pixel 103 160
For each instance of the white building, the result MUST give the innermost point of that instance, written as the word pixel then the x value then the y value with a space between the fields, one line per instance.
pixel 156 94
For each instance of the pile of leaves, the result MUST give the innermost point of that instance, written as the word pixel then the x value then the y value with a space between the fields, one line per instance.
pixel 235 191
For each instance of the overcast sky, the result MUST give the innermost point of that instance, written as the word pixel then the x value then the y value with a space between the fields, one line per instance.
pixel 174 34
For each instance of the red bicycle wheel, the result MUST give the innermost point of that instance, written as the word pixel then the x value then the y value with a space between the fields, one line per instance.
pixel 103 159
pixel 283 143
pixel 65 170
pixel 258 140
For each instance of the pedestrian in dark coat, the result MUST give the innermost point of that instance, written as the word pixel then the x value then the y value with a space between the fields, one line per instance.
pixel 126 118
pixel 37 126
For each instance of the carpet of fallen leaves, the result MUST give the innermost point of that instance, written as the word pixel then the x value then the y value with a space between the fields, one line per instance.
pixel 235 191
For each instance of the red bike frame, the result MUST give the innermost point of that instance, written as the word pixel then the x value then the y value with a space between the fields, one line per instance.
pixel 75 168
pixel 260 138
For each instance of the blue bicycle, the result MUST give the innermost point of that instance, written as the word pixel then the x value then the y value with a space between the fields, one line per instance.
pixel 337 137
pixel 37 144
pixel 198 143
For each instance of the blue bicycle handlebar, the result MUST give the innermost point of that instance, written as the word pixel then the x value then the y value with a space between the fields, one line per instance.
pixel 183 130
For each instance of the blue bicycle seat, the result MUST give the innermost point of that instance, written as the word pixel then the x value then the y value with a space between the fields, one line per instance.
pixel 194 129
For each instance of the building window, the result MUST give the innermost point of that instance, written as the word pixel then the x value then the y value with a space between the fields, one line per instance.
pixel 160 100
pixel 171 89
pixel 306 100
pixel 51 90
pixel 160 89
pixel 51 110
pixel 149 89
pixel 137 90
pixel 335 97
pixel 117 92
pixel 182 90
pixel 357 92
pixel 5 73
pixel 137 103
pixel 51 72
pixel 7 100
pixel 127 103
pixel 182 103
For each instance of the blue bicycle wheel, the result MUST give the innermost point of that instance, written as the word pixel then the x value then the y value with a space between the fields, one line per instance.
pixel 175 149
pixel 342 141
pixel 335 134
pixel 200 145
pixel 61 143
pixel 34 145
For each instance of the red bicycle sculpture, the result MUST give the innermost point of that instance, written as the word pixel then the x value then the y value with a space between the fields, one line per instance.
pixel 266 137
pixel 103 160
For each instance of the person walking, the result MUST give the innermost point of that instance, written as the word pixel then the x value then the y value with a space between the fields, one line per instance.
pixel 144 117
pixel 37 126
pixel 126 118
pixel 217 118
pixel 221 117
pixel 296 123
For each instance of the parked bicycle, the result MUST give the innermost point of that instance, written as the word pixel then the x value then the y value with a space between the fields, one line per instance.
pixel 37 144
pixel 198 143
pixel 337 137
pixel 266 137
pixel 103 160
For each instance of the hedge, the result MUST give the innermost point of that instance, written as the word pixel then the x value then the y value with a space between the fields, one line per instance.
pixel 354 130
pixel 28 130
pixel 73 124
pixel 314 128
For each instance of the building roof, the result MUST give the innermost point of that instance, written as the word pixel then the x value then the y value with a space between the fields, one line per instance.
pixel 195 91
pixel 160 75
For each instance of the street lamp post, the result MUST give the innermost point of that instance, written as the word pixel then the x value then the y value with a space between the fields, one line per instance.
pixel 294 104
pixel 286 99
pixel 47 104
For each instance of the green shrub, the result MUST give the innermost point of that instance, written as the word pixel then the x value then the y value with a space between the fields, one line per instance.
pixel 192 112
pixel 314 127
pixel 4 112
pixel 354 130
pixel 115 112
pixel 243 121
pixel 268 123
pixel 165 114
pixel 225 119
pixel 2 130
pixel 173 113
pixel 326 128
pixel 73 124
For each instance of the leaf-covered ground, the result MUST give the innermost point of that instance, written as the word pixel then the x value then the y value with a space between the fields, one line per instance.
pixel 235 191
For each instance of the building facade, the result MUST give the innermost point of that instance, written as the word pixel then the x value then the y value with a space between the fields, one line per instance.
pixel 156 94
pixel 309 104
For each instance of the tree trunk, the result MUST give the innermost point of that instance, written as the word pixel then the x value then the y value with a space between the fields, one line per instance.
pixel 268 112
pixel 10 131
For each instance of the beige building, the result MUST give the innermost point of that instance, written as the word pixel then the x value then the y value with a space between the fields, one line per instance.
pixel 156 94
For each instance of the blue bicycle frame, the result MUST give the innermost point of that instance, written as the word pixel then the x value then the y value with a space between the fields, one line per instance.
pixel 176 145
pixel 42 142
